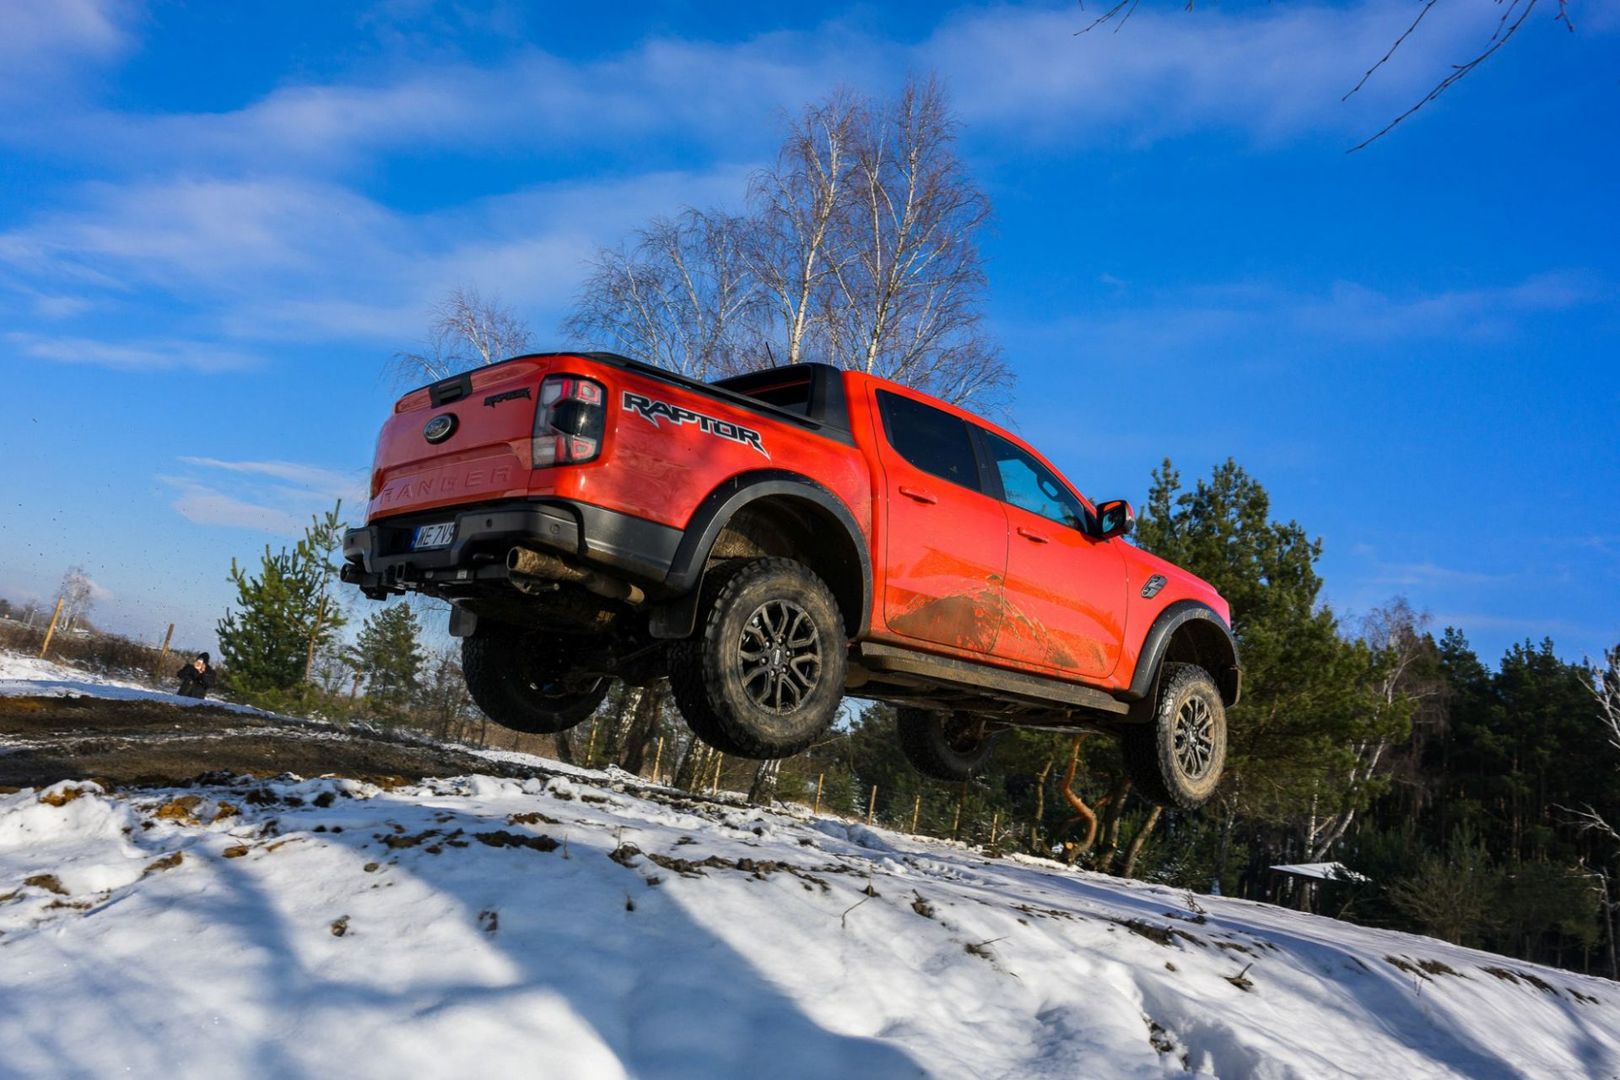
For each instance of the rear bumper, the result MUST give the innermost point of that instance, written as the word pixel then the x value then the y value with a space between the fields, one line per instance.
pixel 379 559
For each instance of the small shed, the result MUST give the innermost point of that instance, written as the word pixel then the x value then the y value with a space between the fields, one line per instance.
pixel 1320 871
pixel 1301 881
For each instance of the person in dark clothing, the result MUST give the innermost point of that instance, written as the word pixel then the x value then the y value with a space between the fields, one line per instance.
pixel 196 677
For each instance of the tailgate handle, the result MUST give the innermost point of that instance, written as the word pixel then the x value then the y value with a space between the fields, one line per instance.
pixel 452 389
pixel 1033 536
pixel 920 496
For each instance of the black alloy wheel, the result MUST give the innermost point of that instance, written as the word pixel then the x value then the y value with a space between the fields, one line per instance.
pixel 781 656
pixel 764 674
pixel 1177 759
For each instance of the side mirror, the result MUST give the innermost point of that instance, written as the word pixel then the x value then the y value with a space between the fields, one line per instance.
pixel 1115 518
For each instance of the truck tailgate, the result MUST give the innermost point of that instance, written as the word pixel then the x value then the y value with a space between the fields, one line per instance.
pixel 458 440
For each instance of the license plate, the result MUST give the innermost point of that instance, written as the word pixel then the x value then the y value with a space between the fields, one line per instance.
pixel 433 536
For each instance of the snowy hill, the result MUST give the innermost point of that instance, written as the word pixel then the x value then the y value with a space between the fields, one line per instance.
pixel 582 925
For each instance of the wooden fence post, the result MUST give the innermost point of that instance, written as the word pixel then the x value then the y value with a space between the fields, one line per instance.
pixel 163 656
pixel 916 811
pixel 819 778
pixel 871 804
pixel 995 819
pixel 50 630
pixel 956 826
pixel 658 755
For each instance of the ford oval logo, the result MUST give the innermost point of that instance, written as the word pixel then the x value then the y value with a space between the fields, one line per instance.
pixel 440 428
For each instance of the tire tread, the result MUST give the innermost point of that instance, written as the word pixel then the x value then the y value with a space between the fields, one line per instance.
pixel 487 667
pixel 1150 756
pixel 697 677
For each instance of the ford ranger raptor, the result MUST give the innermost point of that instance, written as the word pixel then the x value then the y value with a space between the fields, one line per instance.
pixel 774 541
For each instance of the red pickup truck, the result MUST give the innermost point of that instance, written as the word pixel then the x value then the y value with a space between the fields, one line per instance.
pixel 774 541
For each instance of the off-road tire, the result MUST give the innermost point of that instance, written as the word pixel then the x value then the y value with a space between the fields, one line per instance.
pixel 686 683
pixel 521 679
pixel 1177 758
pixel 943 746
pixel 764 674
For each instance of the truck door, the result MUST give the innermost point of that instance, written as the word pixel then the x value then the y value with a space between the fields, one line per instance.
pixel 945 540
pixel 1064 589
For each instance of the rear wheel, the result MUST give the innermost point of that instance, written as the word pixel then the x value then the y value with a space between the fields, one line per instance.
pixel 763 676
pixel 527 680
pixel 1178 758
pixel 943 746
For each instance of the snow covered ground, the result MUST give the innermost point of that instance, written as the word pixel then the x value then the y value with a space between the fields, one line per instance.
pixel 569 926
pixel 28 676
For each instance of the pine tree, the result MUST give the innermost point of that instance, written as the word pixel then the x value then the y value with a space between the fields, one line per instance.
pixel 285 613
pixel 388 653
pixel 1300 739
pixel 445 705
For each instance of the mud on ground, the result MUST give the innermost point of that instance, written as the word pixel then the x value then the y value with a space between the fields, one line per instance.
pixel 131 743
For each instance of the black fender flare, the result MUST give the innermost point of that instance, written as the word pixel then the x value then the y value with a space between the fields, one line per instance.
pixel 1157 643
pixel 675 619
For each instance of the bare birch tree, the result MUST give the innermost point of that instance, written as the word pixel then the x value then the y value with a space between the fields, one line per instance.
pixel 1605 687
pixel 466 331
pixel 858 249
pixel 801 217
pixel 865 234
pixel 1396 639
pixel 905 269
pixel 78 595
pixel 681 296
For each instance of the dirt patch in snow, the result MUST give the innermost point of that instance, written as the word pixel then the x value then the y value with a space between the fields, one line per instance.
pixel 132 743
pixel 48 882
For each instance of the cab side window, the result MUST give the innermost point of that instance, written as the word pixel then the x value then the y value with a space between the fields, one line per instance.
pixel 933 440
pixel 1026 483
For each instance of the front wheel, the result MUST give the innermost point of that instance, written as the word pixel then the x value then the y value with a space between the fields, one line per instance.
pixel 764 675
pixel 1178 758
pixel 526 680
pixel 943 746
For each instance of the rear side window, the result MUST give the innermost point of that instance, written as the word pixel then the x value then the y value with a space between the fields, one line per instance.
pixel 793 396
pixel 929 438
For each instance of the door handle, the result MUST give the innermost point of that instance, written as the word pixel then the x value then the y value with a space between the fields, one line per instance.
pixel 1032 536
pixel 920 496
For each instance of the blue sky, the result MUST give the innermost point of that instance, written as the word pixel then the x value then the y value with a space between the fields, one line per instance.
pixel 219 221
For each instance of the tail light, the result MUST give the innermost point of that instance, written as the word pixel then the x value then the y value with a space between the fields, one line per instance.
pixel 569 420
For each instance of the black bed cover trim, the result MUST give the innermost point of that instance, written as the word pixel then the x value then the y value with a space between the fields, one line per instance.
pixel 827 402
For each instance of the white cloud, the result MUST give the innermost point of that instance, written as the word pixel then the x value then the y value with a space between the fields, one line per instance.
pixel 723 96
pixel 243 224
pixel 1356 312
pixel 278 260
pixel 188 231
pixel 1430 575
pixel 1168 324
pixel 304 478
pixel 270 496
pixel 1525 627
pixel 204 505
pixel 1273 71
pixel 98 591
pixel 1016 71
pixel 170 355
pixel 40 40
